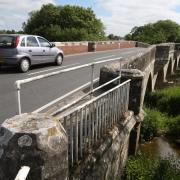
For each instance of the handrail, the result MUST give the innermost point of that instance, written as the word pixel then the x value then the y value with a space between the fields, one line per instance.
pixel 89 122
pixel 87 94
pixel 94 99
pixel 18 83
pixel 25 81
pixel 23 173
pixel 64 96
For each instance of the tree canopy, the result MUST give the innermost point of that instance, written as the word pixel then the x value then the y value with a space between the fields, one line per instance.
pixel 114 37
pixel 65 23
pixel 10 32
pixel 154 33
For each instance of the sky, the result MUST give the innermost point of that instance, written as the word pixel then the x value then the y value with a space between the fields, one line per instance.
pixel 118 16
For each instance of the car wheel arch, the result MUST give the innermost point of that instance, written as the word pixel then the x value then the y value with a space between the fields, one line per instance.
pixel 26 57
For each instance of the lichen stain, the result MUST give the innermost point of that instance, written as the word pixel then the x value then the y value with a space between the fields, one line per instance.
pixel 52 131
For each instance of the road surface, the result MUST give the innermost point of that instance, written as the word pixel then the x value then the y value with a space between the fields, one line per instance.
pixel 39 93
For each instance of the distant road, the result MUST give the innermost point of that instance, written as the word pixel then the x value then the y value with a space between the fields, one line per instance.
pixel 39 93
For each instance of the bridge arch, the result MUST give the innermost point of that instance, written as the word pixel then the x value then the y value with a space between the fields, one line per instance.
pixel 170 68
pixel 176 62
pixel 160 78
pixel 149 86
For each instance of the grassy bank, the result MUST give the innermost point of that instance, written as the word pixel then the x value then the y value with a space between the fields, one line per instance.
pixel 166 100
pixel 162 117
pixel 163 114
pixel 141 167
pixel 156 123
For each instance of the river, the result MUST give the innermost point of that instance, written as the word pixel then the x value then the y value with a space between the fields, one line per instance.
pixel 161 146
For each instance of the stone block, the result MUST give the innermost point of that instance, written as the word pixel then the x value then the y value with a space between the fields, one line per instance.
pixel 35 140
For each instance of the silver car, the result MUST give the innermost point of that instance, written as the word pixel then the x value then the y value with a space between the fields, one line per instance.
pixel 26 50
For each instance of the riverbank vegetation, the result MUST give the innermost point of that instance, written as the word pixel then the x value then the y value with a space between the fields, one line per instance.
pixel 163 114
pixel 162 118
pixel 141 167
pixel 165 100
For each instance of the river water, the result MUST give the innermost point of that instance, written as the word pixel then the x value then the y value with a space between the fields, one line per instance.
pixel 161 146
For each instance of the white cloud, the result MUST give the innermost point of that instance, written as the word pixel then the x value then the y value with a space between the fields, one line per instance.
pixel 13 12
pixel 125 14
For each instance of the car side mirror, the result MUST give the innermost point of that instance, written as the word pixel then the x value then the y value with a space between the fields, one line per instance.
pixel 52 45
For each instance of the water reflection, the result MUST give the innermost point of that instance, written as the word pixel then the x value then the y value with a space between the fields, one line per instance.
pixel 161 146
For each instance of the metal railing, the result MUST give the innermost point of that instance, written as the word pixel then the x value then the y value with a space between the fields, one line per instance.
pixel 19 83
pixel 87 123
pixel 23 173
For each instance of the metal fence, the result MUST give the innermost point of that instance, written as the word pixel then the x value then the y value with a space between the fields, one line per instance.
pixel 89 122
pixel 19 83
pixel 23 173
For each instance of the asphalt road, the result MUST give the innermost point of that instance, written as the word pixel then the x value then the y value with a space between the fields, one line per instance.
pixel 39 93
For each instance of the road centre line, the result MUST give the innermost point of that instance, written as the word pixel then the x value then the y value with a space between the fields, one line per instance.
pixel 104 57
pixel 52 69
pixel 38 72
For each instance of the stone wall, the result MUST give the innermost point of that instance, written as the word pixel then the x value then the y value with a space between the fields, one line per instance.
pixel 82 47
pixel 146 70
pixel 40 142
pixel 165 61
pixel 37 141
pixel 108 160
pixel 143 45
pixel 139 69
pixel 102 46
pixel 72 47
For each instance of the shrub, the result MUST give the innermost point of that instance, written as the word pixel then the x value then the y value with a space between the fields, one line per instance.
pixel 153 123
pixel 173 127
pixel 166 100
pixel 141 167
pixel 166 170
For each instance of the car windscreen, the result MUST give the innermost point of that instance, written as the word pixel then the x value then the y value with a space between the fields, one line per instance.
pixel 7 41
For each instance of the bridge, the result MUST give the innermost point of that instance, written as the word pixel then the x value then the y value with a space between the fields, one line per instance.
pixel 89 132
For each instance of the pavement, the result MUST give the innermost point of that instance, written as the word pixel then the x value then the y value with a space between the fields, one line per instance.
pixel 38 93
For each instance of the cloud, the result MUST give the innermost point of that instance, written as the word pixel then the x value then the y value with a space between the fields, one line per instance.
pixel 14 13
pixel 118 16
pixel 125 14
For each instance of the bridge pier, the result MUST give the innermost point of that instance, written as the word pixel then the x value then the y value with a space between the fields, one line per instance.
pixel 134 139
pixel 164 61
pixel 37 141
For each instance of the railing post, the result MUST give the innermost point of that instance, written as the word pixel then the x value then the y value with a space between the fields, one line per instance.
pixel 92 78
pixel 18 94
pixel 23 173
pixel 120 71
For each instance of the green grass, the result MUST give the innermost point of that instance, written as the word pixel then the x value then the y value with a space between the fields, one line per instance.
pixel 141 167
pixel 163 114
pixel 166 100
pixel 173 127
pixel 162 117
pixel 154 124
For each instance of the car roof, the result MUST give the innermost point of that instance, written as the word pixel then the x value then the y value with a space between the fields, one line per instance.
pixel 14 35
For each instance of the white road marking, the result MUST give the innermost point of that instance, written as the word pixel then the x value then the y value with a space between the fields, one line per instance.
pixel 38 72
pixel 104 57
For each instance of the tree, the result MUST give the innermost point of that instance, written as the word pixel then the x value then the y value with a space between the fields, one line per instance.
pixel 114 37
pixel 10 32
pixel 65 23
pixel 159 32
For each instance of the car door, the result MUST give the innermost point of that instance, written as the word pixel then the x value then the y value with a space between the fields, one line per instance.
pixel 34 50
pixel 46 48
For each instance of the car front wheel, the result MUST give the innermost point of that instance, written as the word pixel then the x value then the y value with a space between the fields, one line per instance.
pixel 59 60
pixel 24 65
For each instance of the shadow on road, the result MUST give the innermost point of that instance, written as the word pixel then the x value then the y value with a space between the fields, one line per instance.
pixel 15 70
